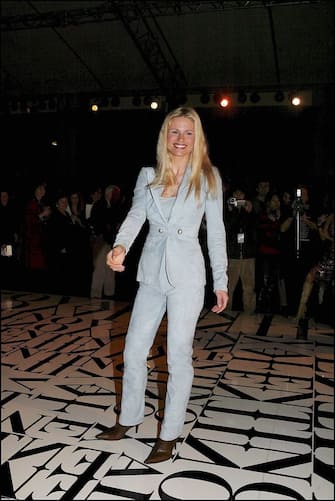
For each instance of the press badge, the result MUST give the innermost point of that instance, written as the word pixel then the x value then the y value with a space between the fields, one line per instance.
pixel 240 238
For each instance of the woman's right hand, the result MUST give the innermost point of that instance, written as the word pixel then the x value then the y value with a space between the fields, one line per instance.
pixel 115 258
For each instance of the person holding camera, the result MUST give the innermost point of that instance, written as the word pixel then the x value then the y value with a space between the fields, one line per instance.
pixel 240 221
pixel 300 243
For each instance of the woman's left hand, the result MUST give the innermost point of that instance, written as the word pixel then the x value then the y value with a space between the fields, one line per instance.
pixel 221 301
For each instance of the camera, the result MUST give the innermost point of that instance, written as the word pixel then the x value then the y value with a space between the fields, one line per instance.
pixel 234 202
pixel 298 204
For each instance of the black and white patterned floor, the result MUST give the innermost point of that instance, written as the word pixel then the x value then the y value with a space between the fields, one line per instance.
pixel 260 422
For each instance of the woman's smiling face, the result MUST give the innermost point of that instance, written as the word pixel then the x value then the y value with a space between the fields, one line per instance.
pixel 180 137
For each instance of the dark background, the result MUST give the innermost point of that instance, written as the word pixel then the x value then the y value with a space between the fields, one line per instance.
pixel 71 52
pixel 57 57
pixel 289 146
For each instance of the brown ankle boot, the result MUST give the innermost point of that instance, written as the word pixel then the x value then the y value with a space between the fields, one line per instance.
pixel 162 451
pixel 117 432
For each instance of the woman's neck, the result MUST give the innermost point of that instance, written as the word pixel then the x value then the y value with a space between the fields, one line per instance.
pixel 178 169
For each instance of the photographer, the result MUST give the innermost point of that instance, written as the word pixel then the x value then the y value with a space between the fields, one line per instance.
pixel 240 221
pixel 322 274
pixel 303 243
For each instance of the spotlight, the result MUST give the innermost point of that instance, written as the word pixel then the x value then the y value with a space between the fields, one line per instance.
pixel 222 100
pixel 254 97
pixel 279 96
pixel 241 96
pixel 296 100
pixel 94 107
pixel 154 105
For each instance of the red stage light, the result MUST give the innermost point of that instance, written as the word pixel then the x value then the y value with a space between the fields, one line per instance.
pixel 224 102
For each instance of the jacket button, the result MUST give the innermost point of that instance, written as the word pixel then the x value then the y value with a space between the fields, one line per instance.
pixel 160 230
pixel 179 231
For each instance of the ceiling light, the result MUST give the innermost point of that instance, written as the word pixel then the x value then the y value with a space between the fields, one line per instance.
pixel 152 102
pixel 222 100
pixel 225 102
pixel 154 105
pixel 296 100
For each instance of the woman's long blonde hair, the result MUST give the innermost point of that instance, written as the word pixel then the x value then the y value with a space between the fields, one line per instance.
pixel 199 161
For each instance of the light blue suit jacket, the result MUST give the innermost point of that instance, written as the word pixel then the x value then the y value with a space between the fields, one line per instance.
pixel 172 247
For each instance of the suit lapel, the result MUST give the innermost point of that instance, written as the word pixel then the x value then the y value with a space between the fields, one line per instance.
pixel 156 193
pixel 181 195
pixel 180 198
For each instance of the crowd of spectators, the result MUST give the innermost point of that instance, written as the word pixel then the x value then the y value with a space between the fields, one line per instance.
pixel 49 238
pixel 55 240
pixel 275 237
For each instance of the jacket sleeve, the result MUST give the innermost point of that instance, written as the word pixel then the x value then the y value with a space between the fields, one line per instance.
pixel 137 214
pixel 216 237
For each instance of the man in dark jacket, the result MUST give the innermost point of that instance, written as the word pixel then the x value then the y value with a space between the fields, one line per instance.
pixel 241 221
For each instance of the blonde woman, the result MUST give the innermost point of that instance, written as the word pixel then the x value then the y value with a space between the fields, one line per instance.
pixel 174 196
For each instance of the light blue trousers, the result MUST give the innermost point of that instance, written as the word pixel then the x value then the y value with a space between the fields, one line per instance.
pixel 183 307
